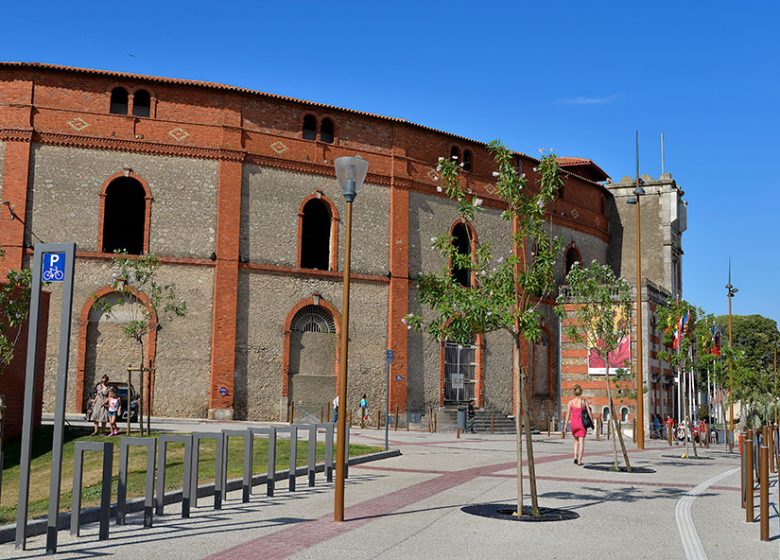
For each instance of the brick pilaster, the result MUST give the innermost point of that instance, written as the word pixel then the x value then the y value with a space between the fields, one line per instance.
pixel 16 177
pixel 223 337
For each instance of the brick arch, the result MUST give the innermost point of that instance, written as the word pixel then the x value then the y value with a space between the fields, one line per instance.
pixel 147 210
pixel 150 347
pixel 109 90
pixel 333 261
pixel 287 331
pixel 152 100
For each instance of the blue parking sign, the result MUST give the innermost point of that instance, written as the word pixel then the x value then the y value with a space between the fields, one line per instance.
pixel 53 267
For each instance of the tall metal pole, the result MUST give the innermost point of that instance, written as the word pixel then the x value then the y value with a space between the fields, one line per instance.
pixel 731 291
pixel 640 393
pixel 387 403
pixel 341 426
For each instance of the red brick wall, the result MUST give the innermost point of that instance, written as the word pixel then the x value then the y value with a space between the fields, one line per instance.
pixel 12 379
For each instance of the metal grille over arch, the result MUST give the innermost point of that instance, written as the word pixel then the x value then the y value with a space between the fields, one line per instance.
pixel 313 318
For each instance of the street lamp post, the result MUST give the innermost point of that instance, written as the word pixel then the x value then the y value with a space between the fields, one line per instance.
pixel 350 173
pixel 640 393
pixel 731 291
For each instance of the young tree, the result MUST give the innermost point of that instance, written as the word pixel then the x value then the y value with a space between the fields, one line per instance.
pixel 132 277
pixel 679 319
pixel 600 306
pixel 506 292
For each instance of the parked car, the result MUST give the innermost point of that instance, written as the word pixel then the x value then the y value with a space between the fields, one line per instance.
pixel 121 391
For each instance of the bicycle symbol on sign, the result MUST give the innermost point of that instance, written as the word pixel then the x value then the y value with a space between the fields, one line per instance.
pixel 53 275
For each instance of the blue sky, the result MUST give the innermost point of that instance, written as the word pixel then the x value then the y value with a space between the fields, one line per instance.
pixel 576 76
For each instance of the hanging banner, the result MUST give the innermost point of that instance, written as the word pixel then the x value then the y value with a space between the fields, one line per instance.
pixel 618 358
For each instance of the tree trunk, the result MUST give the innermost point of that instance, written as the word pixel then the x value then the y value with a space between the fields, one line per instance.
pixel 615 423
pixel 518 430
pixel 140 409
pixel 529 448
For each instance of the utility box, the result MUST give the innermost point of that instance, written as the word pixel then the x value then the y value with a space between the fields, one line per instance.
pixel 462 418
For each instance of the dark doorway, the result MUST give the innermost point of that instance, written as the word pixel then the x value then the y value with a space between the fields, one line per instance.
pixel 124 218
pixel 315 237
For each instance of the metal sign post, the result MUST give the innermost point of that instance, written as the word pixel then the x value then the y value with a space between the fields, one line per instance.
pixel 389 355
pixel 52 262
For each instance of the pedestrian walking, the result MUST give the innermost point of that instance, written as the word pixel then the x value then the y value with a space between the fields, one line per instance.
pixel 574 413
pixel 363 410
pixel 335 409
pixel 472 414
pixel 114 406
pixel 100 406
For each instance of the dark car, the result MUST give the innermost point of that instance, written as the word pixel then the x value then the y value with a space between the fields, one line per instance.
pixel 121 391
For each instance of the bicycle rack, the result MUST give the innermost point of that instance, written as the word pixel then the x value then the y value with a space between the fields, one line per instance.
pixel 197 437
pixel 248 452
pixel 121 493
pixel 162 449
pixel 312 467
pixel 107 448
pixel 271 433
pixel 329 463
pixel 293 431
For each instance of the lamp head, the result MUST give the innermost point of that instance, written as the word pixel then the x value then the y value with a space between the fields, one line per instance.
pixel 631 200
pixel 639 190
pixel 351 173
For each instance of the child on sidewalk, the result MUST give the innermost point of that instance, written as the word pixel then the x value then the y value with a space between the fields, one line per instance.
pixel 114 410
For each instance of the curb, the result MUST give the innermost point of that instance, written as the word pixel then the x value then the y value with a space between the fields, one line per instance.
pixel 38 526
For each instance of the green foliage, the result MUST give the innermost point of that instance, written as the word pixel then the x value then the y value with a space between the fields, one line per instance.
pixel 507 290
pixel 755 335
pixel 15 305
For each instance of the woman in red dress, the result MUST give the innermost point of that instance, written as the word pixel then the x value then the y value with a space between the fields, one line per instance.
pixel 574 416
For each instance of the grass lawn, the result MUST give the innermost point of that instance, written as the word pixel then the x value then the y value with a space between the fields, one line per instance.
pixel 41 468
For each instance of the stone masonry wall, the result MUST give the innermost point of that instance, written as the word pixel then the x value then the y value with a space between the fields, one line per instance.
pixel 2 164
pixel 271 200
pixel 65 198
pixel 265 302
pixel 183 345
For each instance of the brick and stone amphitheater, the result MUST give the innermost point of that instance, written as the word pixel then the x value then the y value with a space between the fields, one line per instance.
pixel 234 191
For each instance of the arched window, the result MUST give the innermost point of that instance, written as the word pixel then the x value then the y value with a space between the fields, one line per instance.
pixel 572 256
pixel 467 160
pixel 124 216
pixel 462 242
pixel 541 365
pixel 326 131
pixel 624 414
pixel 605 414
pixel 309 127
pixel 454 152
pixel 313 318
pixel 119 101
pixel 142 103
pixel 315 235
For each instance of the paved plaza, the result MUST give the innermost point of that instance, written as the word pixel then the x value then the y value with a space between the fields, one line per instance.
pixel 411 506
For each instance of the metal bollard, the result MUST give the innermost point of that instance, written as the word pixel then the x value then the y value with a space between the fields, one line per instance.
pixel 742 471
pixel 747 449
pixel 633 431
pixel 197 437
pixel 121 491
pixel 246 484
pixel 312 452
pixel 549 423
pixel 763 478
pixel 293 431
pixel 162 449
pixel 107 448
pixel 329 464
pixel 346 453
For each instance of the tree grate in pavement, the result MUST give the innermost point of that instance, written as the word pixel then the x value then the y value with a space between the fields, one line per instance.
pixel 609 467
pixel 506 512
